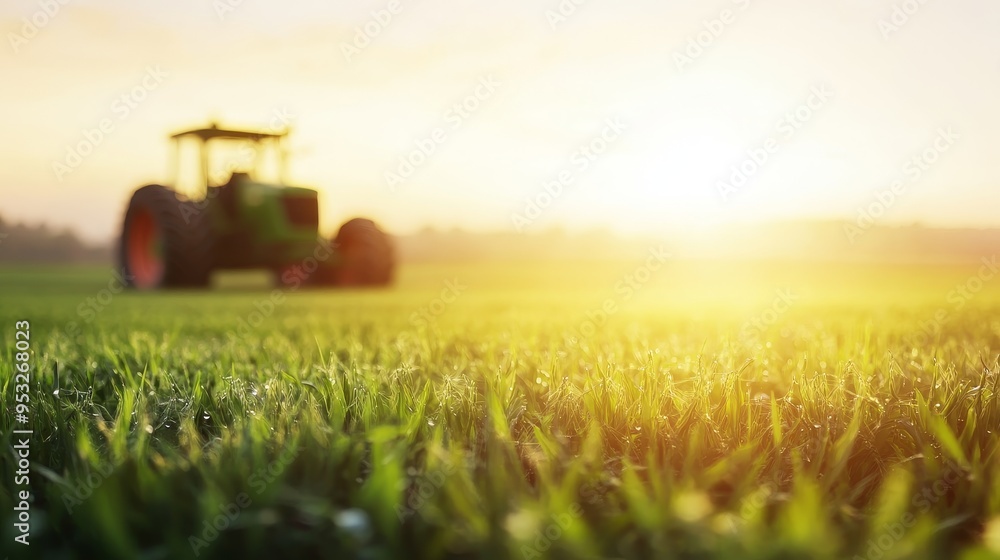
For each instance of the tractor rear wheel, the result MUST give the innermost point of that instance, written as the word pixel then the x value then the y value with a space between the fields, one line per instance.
pixel 166 242
pixel 365 255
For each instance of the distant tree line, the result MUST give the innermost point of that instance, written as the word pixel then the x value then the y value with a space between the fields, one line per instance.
pixel 23 243
pixel 815 241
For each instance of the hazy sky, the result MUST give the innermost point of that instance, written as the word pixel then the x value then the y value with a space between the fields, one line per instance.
pixel 881 93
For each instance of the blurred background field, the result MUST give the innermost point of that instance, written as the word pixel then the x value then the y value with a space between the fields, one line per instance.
pixel 470 409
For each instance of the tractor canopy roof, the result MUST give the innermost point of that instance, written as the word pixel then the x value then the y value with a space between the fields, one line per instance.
pixel 214 132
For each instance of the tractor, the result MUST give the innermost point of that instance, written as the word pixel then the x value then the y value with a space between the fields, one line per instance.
pixel 240 220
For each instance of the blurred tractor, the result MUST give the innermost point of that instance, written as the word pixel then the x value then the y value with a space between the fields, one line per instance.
pixel 171 239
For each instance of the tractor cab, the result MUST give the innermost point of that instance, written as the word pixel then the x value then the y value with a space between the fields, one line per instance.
pixel 259 156
pixel 242 175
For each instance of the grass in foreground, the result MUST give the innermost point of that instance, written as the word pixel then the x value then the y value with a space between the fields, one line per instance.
pixel 854 422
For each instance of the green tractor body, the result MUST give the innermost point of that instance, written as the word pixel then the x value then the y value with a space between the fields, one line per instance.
pixel 173 240
pixel 263 226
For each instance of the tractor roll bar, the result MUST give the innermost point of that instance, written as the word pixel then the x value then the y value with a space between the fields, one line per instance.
pixel 213 132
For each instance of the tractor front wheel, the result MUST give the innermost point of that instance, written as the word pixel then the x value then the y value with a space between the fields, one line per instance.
pixel 166 242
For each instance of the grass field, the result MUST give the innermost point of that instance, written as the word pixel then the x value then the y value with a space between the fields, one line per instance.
pixel 587 410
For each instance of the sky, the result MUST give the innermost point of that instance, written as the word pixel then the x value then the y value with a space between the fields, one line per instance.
pixel 644 116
